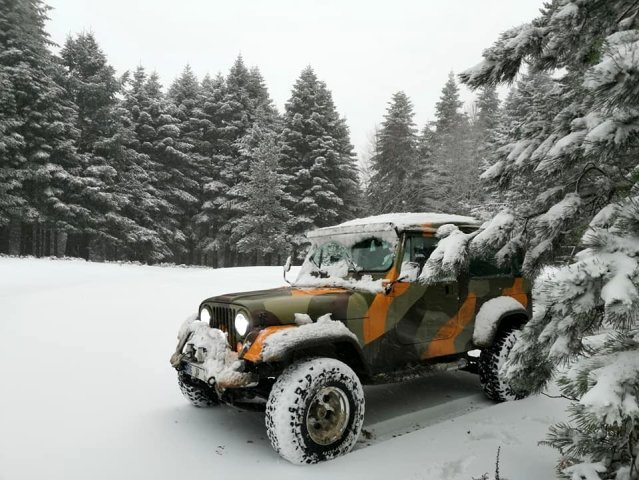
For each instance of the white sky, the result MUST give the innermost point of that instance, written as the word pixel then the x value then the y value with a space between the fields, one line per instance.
pixel 365 50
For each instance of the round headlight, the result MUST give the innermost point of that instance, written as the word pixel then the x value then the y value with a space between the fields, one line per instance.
pixel 205 315
pixel 241 323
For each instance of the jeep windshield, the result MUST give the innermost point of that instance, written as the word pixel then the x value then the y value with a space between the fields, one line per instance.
pixel 349 261
pixel 369 255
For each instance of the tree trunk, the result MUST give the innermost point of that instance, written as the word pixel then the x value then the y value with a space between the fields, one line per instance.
pixel 15 238
pixel 26 239
pixel 77 245
pixel 4 239
pixel 61 243
pixel 54 241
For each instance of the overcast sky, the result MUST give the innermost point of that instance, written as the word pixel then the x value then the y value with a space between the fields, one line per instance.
pixel 365 50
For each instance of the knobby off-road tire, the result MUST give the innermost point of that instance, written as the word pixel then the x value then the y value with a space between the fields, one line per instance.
pixel 491 360
pixel 198 394
pixel 315 411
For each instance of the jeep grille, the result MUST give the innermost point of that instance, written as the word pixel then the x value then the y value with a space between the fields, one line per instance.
pixel 223 318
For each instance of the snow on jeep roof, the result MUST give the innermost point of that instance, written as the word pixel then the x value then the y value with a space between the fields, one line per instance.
pixel 400 221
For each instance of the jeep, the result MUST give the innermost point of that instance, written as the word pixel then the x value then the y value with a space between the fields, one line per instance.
pixel 359 313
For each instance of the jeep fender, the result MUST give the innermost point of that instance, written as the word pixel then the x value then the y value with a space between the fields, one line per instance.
pixel 492 314
pixel 282 343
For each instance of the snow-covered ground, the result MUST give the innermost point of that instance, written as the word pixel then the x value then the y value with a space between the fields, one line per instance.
pixel 87 392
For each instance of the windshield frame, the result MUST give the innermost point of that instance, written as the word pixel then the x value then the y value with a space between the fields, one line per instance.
pixel 390 237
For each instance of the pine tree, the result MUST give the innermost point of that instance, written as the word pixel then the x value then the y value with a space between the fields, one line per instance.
pixel 454 167
pixel 395 166
pixel 232 107
pixel 317 157
pixel 485 126
pixel 217 149
pixel 144 232
pixel 487 110
pixel 434 189
pixel 91 84
pixel 447 111
pixel 162 165
pixel 576 152
pixel 38 160
pixel 260 228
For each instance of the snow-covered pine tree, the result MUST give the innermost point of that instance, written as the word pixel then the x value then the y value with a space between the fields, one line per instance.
pixel 143 233
pixel 485 125
pixel 259 230
pixel 11 199
pixel 396 178
pixel 167 160
pixel 38 160
pixel 185 94
pixel 584 160
pixel 248 103
pixel 231 107
pixel 453 165
pixel 111 192
pixel 317 158
pixel 217 148
pixel 263 110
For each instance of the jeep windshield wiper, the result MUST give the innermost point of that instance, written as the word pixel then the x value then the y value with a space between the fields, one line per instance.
pixel 353 266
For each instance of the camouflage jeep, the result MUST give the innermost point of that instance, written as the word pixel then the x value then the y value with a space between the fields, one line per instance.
pixel 358 313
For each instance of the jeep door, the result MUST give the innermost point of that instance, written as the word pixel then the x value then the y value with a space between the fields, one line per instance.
pixel 429 323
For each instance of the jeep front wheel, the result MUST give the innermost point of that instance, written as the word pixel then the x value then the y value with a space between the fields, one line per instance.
pixel 196 392
pixel 315 411
pixel 492 380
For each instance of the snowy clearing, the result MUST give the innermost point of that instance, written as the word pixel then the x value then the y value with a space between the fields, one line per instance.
pixel 88 392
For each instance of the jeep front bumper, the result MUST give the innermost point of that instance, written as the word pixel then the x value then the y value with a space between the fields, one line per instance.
pixel 203 353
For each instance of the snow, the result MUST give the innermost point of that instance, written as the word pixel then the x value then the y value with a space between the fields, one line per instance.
pixel 338 280
pixel 489 314
pixel 560 211
pixel 279 342
pixel 493 171
pixel 475 72
pixel 618 62
pixel 620 287
pixel 88 392
pixel 585 471
pixel 568 10
pixel 448 257
pixel 612 396
pixel 403 221
pixel 565 145
pixel 494 233
pixel 212 353
pixel 302 319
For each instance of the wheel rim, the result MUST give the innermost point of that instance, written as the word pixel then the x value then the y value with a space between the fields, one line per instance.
pixel 327 416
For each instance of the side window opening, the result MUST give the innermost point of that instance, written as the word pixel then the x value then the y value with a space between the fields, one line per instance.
pixel 484 268
pixel 373 255
pixel 417 249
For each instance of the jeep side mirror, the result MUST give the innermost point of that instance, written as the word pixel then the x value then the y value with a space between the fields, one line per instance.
pixel 287 267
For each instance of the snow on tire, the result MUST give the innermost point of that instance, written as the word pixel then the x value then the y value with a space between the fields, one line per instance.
pixel 198 395
pixel 491 360
pixel 315 411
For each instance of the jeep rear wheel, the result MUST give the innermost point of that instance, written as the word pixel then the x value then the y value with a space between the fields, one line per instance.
pixel 196 392
pixel 491 360
pixel 315 411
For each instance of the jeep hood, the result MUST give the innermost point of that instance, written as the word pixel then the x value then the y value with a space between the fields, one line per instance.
pixel 279 305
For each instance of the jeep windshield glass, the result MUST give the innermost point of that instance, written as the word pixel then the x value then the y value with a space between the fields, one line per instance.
pixel 368 255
